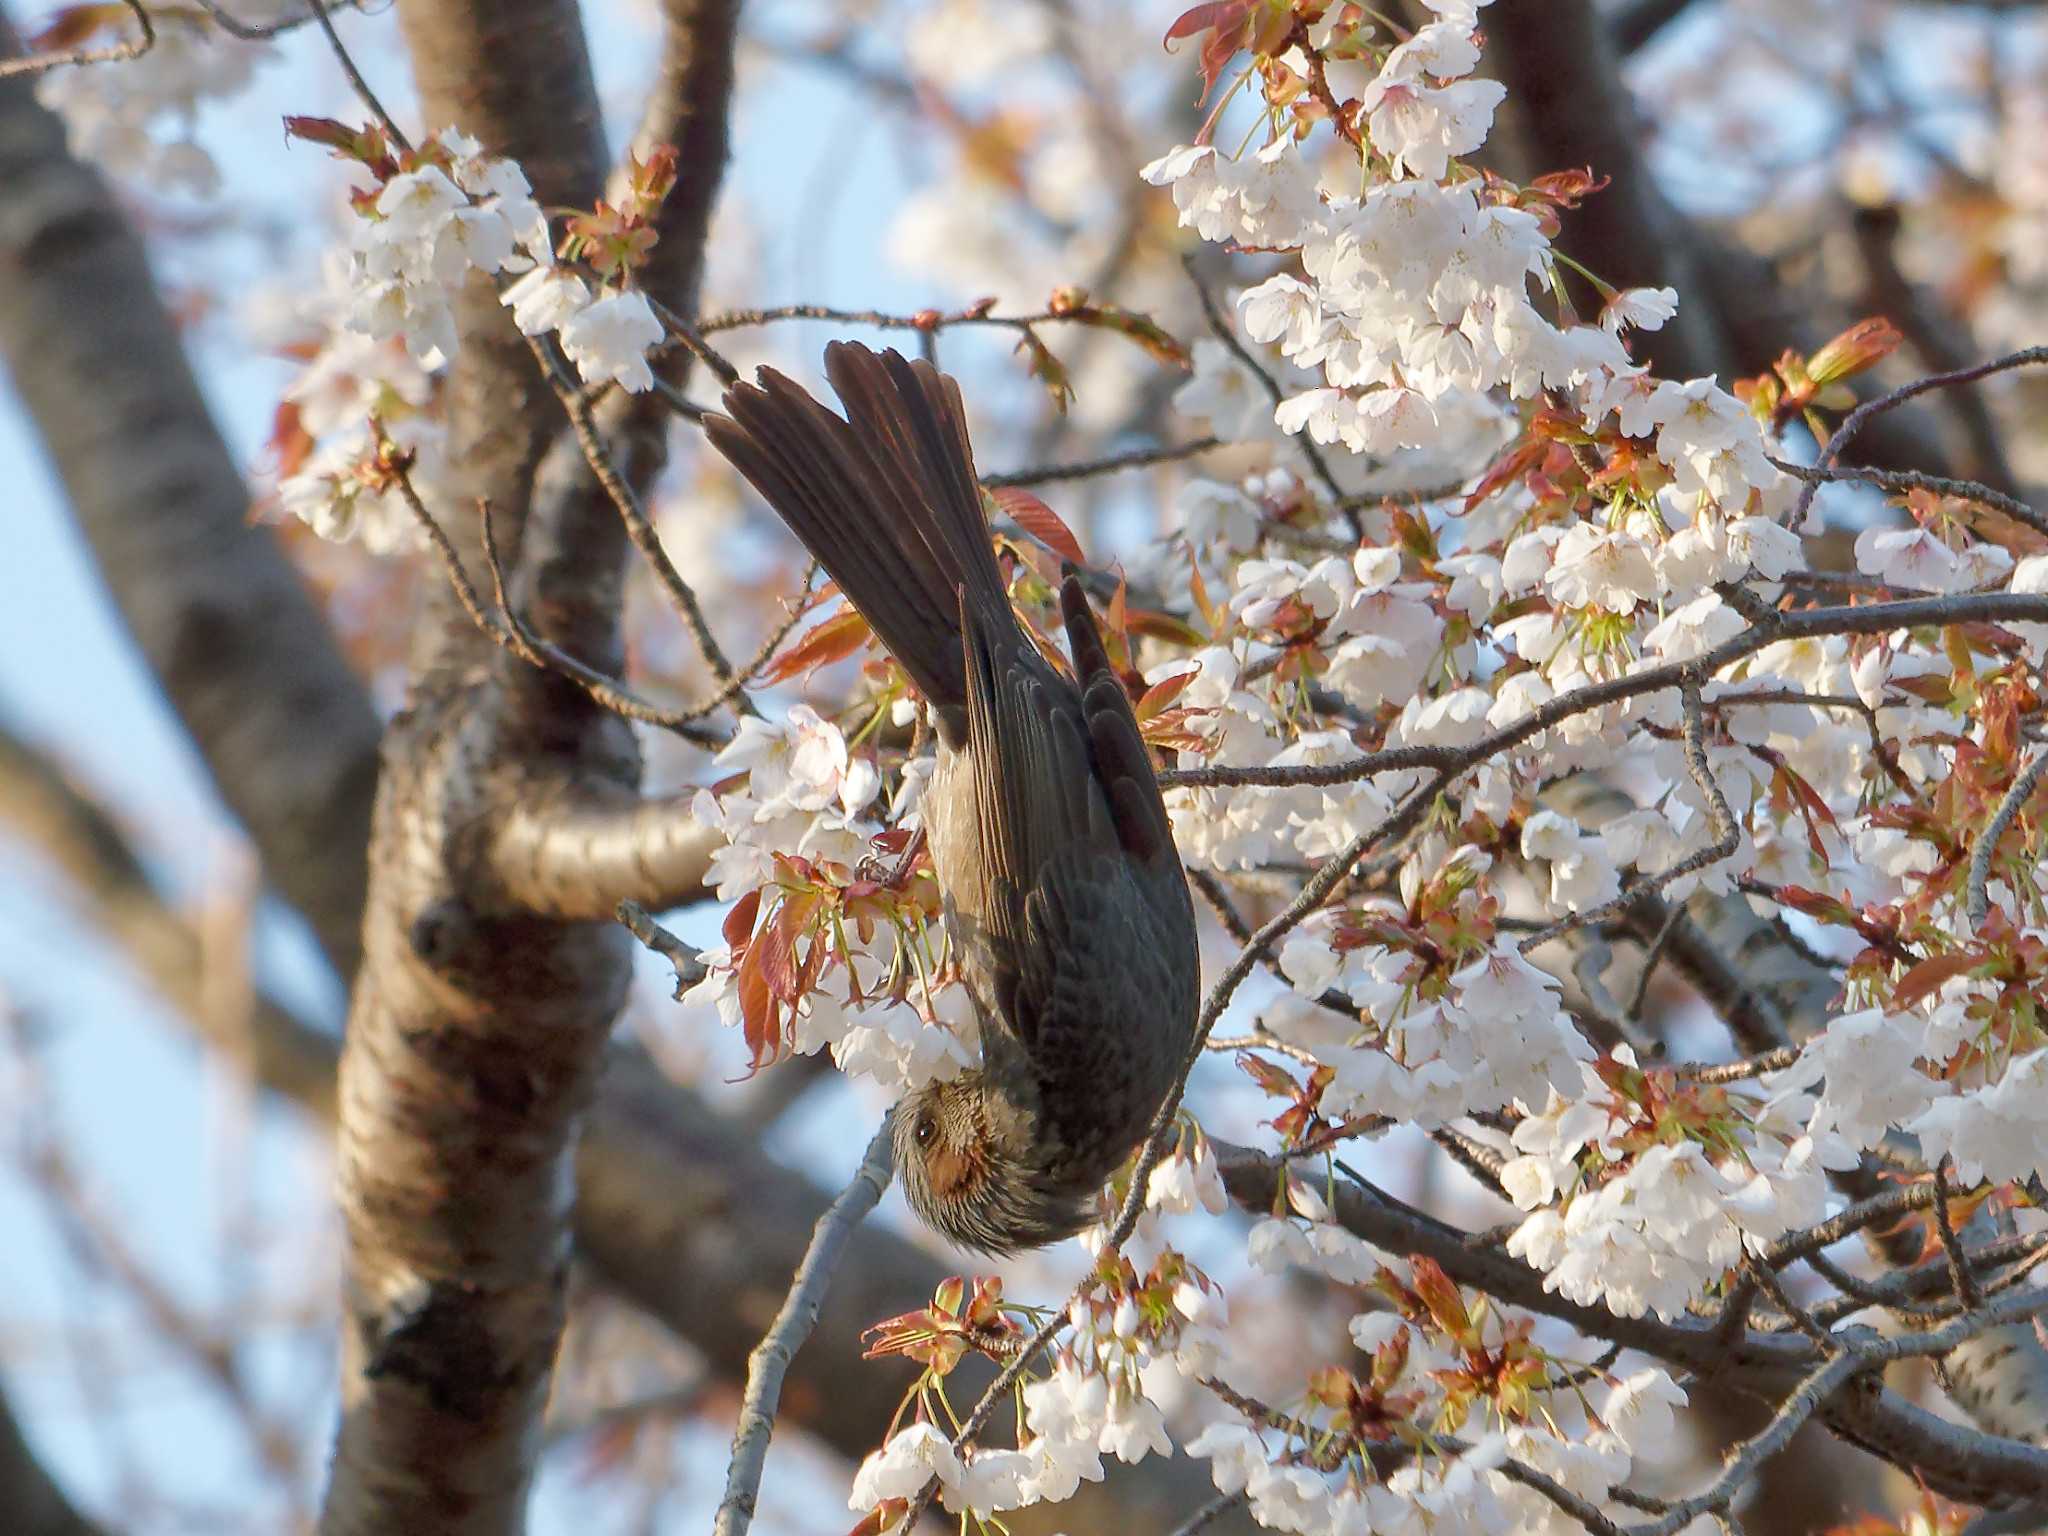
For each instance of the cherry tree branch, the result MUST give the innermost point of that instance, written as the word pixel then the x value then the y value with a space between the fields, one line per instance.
pixel 1901 480
pixel 1135 458
pixel 573 850
pixel 1857 419
pixel 1864 619
pixel 1977 899
pixel 792 1325
pixel 42 63
pixel 35 1504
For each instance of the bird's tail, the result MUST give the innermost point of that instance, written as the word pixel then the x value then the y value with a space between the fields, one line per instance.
pixel 887 500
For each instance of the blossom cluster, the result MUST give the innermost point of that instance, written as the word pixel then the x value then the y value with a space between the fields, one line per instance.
pixel 137 121
pixel 833 943
pixel 421 223
pixel 1468 506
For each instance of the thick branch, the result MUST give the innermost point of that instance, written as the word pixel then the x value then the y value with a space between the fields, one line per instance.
pixel 570 572
pixel 516 75
pixel 35 1505
pixel 579 851
pixel 476 1031
pixel 244 655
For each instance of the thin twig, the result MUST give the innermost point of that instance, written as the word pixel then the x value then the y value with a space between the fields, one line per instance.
pixel 1652 958
pixel 1135 458
pixel 1319 87
pixel 1720 820
pixel 604 691
pixel 924 320
pixel 505 628
pixel 257 31
pixel 687 959
pixel 356 81
pixel 1977 897
pixel 792 1325
pixel 1767 1280
pixel 1209 1513
pixel 694 340
pixel 1916 480
pixel 134 48
pixel 1854 422
pixel 638 528
pixel 684 722
pixel 1965 1283
pixel 1800 1405
pixel 1805 623
pixel 1901 1201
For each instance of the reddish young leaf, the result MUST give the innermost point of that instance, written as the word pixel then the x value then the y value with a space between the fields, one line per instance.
pixel 71 25
pixel 760 1021
pixel 1163 626
pixel 834 640
pixel 1048 370
pixel 289 439
pixel 1446 1303
pixel 1040 521
pixel 1163 693
pixel 1926 978
pixel 1863 345
pixel 739 922
pixel 1273 1081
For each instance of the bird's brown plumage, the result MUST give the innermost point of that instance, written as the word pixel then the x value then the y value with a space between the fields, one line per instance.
pixel 1048 837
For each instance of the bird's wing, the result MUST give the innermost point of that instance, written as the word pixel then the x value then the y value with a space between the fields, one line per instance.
pixel 1036 794
pixel 1093 937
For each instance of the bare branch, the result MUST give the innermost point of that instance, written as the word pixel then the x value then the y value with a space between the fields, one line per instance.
pixel 1969 1296
pixel 1855 421
pixel 1978 898
pixel 688 961
pixel 792 1325
pixel 1901 480
pixel 626 502
pixel 508 630
pixel 1136 458
pixel 134 48
pixel 356 81
pixel 1864 619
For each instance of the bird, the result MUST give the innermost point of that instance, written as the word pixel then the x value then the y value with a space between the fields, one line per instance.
pixel 1060 884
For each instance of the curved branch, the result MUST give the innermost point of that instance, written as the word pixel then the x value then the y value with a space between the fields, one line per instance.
pixel 575 851
pixel 792 1325
pixel 35 1505
pixel 534 102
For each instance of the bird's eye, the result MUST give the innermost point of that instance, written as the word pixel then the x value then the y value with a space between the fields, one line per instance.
pixel 927 1128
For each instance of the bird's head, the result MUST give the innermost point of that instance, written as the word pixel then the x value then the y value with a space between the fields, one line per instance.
pixel 975 1171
